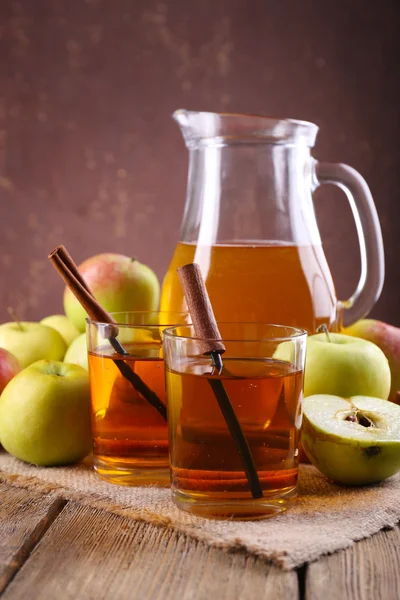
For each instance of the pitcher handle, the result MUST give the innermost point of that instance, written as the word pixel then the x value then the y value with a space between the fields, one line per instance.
pixel 369 235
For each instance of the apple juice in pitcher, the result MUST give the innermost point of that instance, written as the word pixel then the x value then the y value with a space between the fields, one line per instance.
pixel 249 223
pixel 264 283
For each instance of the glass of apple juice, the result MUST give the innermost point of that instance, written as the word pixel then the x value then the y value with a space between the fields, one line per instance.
pixel 262 375
pixel 128 404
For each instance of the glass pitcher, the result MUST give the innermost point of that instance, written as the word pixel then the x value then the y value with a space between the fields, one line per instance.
pixel 249 223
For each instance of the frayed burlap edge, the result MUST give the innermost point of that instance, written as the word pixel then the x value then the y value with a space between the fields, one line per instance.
pixel 278 559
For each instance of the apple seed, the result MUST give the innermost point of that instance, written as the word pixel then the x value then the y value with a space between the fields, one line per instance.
pixel 364 421
pixel 361 419
pixel 351 418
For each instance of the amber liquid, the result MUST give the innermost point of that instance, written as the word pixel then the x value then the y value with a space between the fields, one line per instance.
pixel 269 283
pixel 130 436
pixel 206 468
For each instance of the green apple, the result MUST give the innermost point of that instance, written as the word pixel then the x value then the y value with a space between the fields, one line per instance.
pixel 30 342
pixel 119 283
pixel 354 441
pixel 77 352
pixel 63 325
pixel 45 414
pixel 387 337
pixel 345 366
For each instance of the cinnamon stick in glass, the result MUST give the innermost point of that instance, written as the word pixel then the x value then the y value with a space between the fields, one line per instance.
pixel 68 270
pixel 206 328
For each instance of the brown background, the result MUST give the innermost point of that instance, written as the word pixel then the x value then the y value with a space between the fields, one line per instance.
pixel 90 157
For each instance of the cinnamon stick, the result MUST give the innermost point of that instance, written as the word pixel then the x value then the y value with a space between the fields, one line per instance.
pixel 68 270
pixel 80 289
pixel 206 327
pixel 200 309
pixel 68 261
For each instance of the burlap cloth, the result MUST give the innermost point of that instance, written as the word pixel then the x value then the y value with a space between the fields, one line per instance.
pixel 326 517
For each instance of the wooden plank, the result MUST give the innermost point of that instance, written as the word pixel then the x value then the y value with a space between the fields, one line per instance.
pixel 90 553
pixel 24 518
pixel 368 570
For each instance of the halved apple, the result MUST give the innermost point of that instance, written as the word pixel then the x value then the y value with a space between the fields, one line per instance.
pixel 354 441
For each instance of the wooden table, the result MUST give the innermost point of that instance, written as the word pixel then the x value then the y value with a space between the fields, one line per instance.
pixel 51 549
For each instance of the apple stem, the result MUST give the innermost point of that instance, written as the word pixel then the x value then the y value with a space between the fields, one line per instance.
pixel 15 317
pixel 324 329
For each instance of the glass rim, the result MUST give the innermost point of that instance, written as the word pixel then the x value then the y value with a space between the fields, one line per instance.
pixel 142 312
pixel 297 333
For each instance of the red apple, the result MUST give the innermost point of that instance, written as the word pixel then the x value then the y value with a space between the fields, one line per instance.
pixel 387 338
pixel 9 366
pixel 119 283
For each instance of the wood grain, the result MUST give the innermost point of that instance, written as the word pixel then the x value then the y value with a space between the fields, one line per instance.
pixel 89 553
pixel 368 570
pixel 24 517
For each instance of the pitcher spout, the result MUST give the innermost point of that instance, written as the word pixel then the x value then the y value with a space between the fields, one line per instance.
pixel 197 125
pixel 181 116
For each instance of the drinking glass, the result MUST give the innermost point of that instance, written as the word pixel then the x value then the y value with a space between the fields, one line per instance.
pixel 130 439
pixel 262 376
